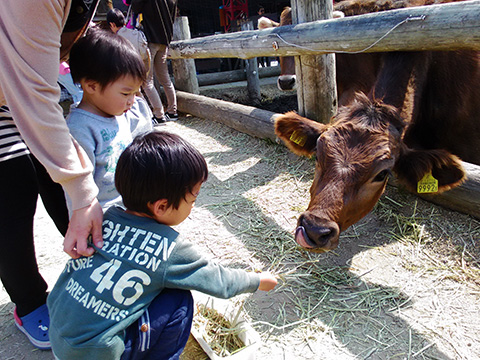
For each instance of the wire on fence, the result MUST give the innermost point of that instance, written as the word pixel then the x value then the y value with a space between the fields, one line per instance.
pixel 409 19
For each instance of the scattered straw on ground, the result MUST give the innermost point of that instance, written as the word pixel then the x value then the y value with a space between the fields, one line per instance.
pixel 384 293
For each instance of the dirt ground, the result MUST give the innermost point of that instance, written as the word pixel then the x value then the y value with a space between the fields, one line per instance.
pixel 404 282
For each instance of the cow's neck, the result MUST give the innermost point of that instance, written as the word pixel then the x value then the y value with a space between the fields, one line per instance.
pixel 399 72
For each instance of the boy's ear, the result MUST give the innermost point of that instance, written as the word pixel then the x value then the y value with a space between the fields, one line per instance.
pixel 89 86
pixel 159 207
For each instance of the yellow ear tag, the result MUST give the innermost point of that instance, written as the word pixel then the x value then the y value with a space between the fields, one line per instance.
pixel 428 184
pixel 298 139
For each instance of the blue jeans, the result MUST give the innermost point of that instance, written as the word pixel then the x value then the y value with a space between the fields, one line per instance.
pixel 162 331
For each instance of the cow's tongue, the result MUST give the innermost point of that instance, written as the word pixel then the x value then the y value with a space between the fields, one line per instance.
pixel 301 237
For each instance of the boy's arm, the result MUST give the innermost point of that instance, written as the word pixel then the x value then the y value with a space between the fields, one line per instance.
pixel 187 269
pixel 83 136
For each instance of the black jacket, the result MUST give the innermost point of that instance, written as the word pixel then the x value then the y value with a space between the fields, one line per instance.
pixel 158 18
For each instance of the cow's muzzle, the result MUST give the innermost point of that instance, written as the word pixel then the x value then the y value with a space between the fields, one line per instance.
pixel 286 82
pixel 319 235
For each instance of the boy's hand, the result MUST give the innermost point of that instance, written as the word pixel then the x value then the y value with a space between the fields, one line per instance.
pixel 267 281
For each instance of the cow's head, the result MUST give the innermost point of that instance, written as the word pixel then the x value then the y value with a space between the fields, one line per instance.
pixel 355 156
pixel 286 81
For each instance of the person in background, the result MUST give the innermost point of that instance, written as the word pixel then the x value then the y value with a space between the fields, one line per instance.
pixel 141 279
pixel 262 60
pixel 158 18
pixel 116 23
pixel 261 11
pixel 103 7
pixel 110 72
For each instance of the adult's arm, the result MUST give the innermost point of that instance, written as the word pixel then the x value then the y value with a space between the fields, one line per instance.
pixel 29 63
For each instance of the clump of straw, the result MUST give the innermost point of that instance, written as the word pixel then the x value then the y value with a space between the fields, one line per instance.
pixel 217 331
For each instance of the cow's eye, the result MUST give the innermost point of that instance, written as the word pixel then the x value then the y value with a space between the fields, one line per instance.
pixel 381 176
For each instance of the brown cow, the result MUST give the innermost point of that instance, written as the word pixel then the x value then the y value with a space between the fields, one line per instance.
pixel 423 108
pixel 355 156
pixel 437 94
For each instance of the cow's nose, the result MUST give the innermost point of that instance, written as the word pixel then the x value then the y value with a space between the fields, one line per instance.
pixel 286 82
pixel 315 233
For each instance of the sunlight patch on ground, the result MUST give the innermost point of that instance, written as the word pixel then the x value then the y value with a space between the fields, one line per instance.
pixel 216 241
pixel 225 172
pixel 293 196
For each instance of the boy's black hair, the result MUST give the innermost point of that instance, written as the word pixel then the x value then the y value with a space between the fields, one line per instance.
pixel 158 165
pixel 116 16
pixel 105 57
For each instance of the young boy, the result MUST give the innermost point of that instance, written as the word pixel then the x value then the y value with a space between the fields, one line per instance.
pixel 110 115
pixel 116 23
pixel 135 290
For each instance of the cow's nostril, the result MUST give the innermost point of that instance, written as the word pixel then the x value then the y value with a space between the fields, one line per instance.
pixel 322 232
pixel 315 233
pixel 321 235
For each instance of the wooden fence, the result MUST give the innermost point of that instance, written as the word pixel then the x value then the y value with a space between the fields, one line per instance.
pixel 451 26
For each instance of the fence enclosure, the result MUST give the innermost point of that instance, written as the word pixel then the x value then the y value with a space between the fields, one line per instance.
pixel 452 26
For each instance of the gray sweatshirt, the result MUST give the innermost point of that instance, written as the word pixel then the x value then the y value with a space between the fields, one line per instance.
pixel 104 139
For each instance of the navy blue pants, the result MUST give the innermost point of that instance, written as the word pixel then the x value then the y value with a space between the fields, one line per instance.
pixel 162 331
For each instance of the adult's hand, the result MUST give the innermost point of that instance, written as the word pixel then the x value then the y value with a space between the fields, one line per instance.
pixel 84 222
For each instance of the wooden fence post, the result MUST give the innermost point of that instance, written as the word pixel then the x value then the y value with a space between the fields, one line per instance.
pixel 316 80
pixel 184 71
pixel 251 68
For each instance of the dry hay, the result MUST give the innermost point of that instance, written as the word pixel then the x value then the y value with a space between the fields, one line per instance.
pixel 404 282
pixel 217 331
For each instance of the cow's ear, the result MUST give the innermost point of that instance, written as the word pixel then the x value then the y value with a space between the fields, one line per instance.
pixel 413 165
pixel 298 133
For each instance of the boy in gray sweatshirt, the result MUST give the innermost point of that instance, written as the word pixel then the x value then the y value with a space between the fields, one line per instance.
pixel 110 114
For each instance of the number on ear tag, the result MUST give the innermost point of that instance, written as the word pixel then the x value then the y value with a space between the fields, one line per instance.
pixel 298 138
pixel 428 184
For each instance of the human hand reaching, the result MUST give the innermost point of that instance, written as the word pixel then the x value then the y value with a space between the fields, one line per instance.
pixel 84 222
pixel 267 281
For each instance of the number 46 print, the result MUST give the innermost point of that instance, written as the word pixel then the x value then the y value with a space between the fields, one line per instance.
pixel 134 280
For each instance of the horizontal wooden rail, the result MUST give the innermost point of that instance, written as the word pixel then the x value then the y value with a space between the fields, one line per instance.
pixel 451 26
pixel 246 119
pixel 235 75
